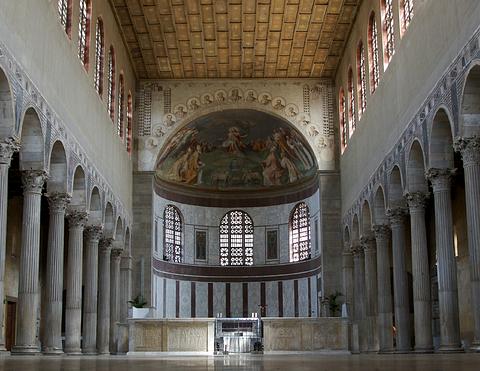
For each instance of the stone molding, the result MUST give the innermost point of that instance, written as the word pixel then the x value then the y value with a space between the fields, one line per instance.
pixel 417 201
pixel 469 148
pixel 397 215
pixel 77 218
pixel 33 180
pixel 58 201
pixel 7 148
pixel 94 232
pixel 440 178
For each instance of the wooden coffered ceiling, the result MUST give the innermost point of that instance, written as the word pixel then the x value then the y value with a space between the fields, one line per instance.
pixel 235 38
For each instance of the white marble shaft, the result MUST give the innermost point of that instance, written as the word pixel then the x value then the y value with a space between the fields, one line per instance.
pixel 369 248
pixel 90 282
pixel 116 256
pixel 125 286
pixel 421 273
pixel 359 293
pixel 28 288
pixel 103 323
pixel 73 311
pixel 447 267
pixel 7 148
pixel 347 267
pixel 52 343
pixel 400 279
pixel 384 308
pixel 470 150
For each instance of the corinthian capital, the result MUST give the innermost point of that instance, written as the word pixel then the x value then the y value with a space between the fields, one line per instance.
pixel 357 249
pixel 440 178
pixel 7 147
pixel 94 232
pixel 397 215
pixel 58 201
pixel 469 148
pixel 417 201
pixel 105 244
pixel 77 218
pixel 368 242
pixel 33 180
pixel 117 253
pixel 381 231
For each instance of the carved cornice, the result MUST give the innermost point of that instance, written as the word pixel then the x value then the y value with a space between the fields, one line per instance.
pixel 93 233
pixel 469 148
pixel 417 201
pixel 33 180
pixel 77 218
pixel 397 215
pixel 440 178
pixel 58 201
pixel 7 148
pixel 381 231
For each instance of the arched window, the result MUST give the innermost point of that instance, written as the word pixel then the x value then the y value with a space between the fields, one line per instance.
pixel 373 53
pixel 172 235
pixel 65 14
pixel 121 106
pixel 300 240
pixel 342 103
pixel 406 13
pixel 388 30
pixel 361 79
pixel 236 239
pixel 128 135
pixel 99 56
pixel 84 31
pixel 111 83
pixel 351 103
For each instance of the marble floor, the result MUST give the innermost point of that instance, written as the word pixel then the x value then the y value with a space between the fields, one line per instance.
pixel 297 362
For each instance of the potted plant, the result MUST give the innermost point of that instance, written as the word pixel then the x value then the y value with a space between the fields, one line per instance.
pixel 333 305
pixel 138 307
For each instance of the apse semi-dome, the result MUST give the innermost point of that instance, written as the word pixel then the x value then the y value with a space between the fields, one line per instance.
pixel 235 150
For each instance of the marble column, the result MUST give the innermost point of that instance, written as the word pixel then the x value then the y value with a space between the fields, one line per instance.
pixel 347 268
pixel 470 150
pixel 125 286
pixel 421 273
pixel 116 257
pixel 384 309
pixel 7 148
pixel 73 311
pixel 369 248
pixel 90 282
pixel 446 264
pixel 57 203
pixel 359 294
pixel 400 279
pixel 103 323
pixel 28 286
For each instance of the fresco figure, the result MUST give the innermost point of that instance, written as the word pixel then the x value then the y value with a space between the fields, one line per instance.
pixel 250 97
pixel 272 171
pixel 235 96
pixel 286 163
pixel 180 111
pixel 234 142
pixel 177 172
pixel 279 104
pixel 193 170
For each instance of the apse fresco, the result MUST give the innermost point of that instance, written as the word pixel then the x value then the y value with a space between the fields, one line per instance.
pixel 236 149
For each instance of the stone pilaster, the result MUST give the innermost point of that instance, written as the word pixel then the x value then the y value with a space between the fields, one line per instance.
pixel 359 294
pixel 103 324
pixel 384 308
pixel 73 312
pixel 125 286
pixel 347 267
pixel 421 273
pixel 90 282
pixel 400 279
pixel 116 257
pixel 470 150
pixel 57 203
pixel 447 267
pixel 28 287
pixel 7 148
pixel 369 248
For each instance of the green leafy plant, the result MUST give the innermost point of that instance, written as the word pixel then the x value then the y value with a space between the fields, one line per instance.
pixel 333 305
pixel 138 302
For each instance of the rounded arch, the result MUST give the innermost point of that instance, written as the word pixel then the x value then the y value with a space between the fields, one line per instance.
pixel 7 108
pixel 470 103
pixel 441 141
pixel 395 188
pixel 172 234
pixel 236 239
pixel 57 180
pixel 300 233
pixel 379 206
pixel 346 236
pixel 127 241
pixel 32 155
pixel 119 230
pixel 366 218
pixel 79 192
pixel 109 224
pixel 415 178
pixel 355 229
pixel 95 207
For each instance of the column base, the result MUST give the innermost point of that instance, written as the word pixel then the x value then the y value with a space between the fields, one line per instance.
pixel 403 351
pixel 475 347
pixel 386 351
pixel 25 349
pixel 73 352
pixel 52 351
pixel 423 350
pixel 89 352
pixel 450 349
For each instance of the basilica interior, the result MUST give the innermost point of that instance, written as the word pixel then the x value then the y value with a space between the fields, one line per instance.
pixel 239 178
